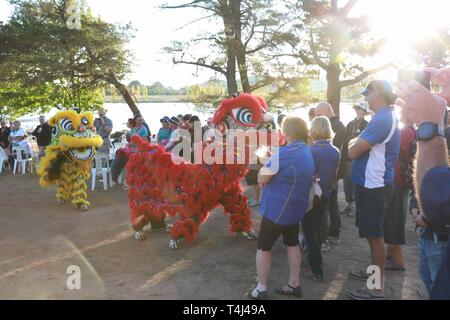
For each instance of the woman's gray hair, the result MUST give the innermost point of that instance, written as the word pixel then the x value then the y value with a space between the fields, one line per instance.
pixel 321 129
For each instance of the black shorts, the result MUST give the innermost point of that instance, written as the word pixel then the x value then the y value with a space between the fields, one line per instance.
pixel 371 205
pixel 395 219
pixel 270 231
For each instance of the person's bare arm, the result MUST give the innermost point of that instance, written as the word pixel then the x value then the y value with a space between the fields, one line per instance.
pixel 422 106
pixel 357 147
pixel 432 153
pixel 265 175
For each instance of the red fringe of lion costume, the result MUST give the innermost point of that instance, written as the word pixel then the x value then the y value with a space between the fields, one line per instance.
pixel 158 187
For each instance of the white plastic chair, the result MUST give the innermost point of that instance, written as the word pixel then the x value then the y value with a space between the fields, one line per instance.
pixel 18 158
pixel 3 159
pixel 101 169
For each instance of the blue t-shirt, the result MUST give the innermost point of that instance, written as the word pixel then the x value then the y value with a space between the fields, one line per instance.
pixel 326 161
pixel 375 168
pixel 285 198
pixel 142 132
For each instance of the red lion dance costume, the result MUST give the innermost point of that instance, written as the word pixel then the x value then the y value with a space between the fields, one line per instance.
pixel 158 186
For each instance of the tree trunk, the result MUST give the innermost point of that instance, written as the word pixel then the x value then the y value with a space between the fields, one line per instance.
pixel 231 73
pixel 334 87
pixel 111 78
pixel 227 17
pixel 235 11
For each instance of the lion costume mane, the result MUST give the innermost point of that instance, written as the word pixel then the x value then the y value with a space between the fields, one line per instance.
pixel 159 187
pixel 68 160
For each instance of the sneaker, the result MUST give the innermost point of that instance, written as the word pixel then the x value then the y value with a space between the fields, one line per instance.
pixel 314 277
pixel 325 247
pixel 349 209
pixel 366 294
pixel 334 240
pixel 253 203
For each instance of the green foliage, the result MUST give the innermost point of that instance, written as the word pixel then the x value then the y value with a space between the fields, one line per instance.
pixel 434 51
pixel 203 96
pixel 38 50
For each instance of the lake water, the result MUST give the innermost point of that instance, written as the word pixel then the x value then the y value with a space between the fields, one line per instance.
pixel 153 112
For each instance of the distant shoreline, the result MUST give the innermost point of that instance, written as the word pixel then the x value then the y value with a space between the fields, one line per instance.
pixel 150 99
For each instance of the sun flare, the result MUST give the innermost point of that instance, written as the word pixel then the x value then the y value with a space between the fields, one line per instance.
pixel 405 22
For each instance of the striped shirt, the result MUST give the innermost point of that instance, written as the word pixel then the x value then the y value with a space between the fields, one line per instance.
pixel 375 168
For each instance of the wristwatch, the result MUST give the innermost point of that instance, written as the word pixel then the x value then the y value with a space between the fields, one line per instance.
pixel 428 130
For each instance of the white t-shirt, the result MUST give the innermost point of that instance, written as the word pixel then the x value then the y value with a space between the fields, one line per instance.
pixel 17 133
pixel 21 144
pixel 175 137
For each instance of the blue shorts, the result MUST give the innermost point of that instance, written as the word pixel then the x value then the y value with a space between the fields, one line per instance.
pixel 371 205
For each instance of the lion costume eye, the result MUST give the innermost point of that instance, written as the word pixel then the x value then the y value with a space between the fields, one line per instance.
pixel 243 115
pixel 66 124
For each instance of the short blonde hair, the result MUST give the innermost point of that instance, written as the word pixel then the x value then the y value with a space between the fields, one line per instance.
pixel 295 127
pixel 321 129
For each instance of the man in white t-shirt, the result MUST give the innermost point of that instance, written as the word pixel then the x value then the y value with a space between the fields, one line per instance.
pixel 18 137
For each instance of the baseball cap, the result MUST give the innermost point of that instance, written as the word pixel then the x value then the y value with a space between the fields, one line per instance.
pixel 362 106
pixel 165 119
pixel 383 87
pixel 174 121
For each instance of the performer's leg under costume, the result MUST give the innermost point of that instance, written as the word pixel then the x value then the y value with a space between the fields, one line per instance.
pixel 235 203
pixel 64 185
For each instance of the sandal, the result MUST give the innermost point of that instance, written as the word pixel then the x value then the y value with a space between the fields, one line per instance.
pixel 365 294
pixel 295 292
pixel 262 295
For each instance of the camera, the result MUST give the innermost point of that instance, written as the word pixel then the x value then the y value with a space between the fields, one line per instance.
pixel 424 78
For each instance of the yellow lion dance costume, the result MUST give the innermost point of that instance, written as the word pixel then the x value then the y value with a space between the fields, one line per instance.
pixel 68 160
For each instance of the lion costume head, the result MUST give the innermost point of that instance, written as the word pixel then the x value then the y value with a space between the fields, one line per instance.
pixel 74 140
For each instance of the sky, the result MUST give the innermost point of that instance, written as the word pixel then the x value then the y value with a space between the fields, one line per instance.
pixel 400 21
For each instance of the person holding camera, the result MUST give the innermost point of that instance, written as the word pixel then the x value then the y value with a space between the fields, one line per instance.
pixel 427 111
pixel 104 128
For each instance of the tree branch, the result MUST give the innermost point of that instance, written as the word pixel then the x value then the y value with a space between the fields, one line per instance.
pixel 348 7
pixel 192 4
pixel 316 57
pixel 362 76
pixel 201 63
pixel 196 20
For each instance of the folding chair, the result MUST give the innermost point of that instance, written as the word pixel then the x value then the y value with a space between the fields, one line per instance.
pixel 102 169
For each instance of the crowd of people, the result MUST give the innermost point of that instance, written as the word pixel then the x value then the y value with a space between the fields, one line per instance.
pixel 172 132
pixel 381 182
pixel 375 159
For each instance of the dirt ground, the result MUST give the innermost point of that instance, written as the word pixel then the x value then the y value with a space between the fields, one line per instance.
pixel 39 241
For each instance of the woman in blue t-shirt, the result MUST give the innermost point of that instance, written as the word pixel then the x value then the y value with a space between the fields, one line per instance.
pixel 165 132
pixel 286 179
pixel 315 223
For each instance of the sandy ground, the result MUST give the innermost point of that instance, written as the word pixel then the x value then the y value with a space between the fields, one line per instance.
pixel 39 241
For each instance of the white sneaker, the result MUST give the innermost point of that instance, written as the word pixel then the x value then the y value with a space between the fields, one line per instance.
pixel 333 240
pixel 253 203
pixel 325 247
pixel 349 209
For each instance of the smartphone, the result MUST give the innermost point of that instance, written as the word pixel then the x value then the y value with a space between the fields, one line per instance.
pixel 422 77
